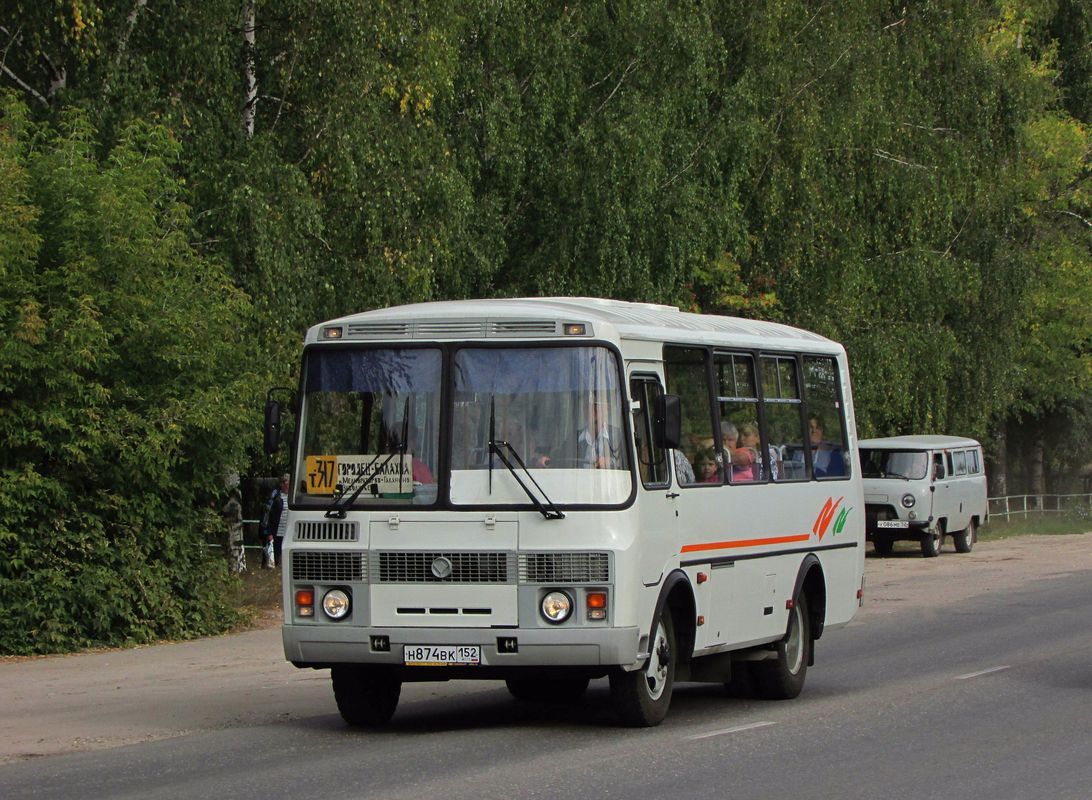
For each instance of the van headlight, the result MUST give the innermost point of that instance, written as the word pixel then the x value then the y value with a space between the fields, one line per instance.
pixel 908 500
pixel 336 604
pixel 557 607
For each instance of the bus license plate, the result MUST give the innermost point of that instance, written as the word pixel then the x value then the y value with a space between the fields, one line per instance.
pixel 892 523
pixel 441 655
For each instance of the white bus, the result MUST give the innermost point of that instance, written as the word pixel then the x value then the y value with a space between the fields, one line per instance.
pixel 550 490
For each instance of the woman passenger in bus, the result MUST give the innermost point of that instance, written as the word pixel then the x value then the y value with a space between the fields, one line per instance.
pixel 742 460
pixel 750 440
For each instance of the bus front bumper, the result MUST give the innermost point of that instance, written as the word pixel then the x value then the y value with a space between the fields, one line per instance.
pixel 325 645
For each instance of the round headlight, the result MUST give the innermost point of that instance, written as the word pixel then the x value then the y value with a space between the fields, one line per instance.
pixel 336 604
pixel 908 500
pixel 556 607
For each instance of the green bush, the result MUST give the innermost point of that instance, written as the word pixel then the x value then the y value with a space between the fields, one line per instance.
pixel 121 402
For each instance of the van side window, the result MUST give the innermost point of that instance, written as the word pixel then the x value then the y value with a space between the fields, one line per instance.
pixel 826 426
pixel 651 460
pixel 960 459
pixel 687 373
pixel 783 408
pixel 938 467
pixel 973 467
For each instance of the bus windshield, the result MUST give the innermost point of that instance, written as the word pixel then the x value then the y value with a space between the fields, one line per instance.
pixel 370 417
pixel 371 420
pixel 898 464
pixel 558 408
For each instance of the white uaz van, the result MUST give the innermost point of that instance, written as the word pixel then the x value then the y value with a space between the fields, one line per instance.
pixel 921 489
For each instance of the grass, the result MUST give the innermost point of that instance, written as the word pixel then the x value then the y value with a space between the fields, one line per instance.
pixel 1033 524
pixel 259 591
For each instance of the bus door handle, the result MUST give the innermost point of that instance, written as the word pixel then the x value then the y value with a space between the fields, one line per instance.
pixel 672 495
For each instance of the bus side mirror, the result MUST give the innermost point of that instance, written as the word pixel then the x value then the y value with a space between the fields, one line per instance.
pixel 667 421
pixel 272 426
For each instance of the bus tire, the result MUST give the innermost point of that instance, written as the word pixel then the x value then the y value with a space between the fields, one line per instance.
pixel 782 678
pixel 541 691
pixel 932 541
pixel 964 539
pixel 883 545
pixel 365 697
pixel 641 698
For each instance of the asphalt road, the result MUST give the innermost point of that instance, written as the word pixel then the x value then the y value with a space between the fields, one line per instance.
pixel 986 696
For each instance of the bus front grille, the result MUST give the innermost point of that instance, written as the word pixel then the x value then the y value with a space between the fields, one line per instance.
pixel 444 567
pixel 564 568
pixel 325 531
pixel 329 567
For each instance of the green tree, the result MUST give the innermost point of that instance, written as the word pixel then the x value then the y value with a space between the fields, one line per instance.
pixel 119 406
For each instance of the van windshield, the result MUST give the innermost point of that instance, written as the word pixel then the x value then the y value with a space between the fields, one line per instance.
pixel 895 464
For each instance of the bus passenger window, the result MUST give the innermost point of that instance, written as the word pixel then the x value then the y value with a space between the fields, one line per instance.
pixel 687 377
pixel 826 427
pixel 784 410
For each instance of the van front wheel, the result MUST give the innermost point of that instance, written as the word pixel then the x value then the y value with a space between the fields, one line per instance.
pixel 964 539
pixel 931 542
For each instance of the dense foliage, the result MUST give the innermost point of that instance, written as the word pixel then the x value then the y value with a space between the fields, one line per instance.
pixel 908 178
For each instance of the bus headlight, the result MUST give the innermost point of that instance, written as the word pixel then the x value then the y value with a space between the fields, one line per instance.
pixel 336 604
pixel 557 607
pixel 908 500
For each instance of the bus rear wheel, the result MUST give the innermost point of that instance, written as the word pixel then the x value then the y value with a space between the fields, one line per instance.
pixel 782 677
pixel 641 698
pixel 365 697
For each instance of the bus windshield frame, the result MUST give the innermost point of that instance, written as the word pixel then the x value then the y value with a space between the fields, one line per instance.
pixel 433 416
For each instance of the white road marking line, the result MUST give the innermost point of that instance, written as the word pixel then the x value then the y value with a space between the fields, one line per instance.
pixel 736 729
pixel 980 672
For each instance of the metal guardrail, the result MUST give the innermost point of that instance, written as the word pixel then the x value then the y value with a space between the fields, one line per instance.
pixel 1023 505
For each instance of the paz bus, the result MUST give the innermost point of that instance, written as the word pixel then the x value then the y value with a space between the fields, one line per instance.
pixel 547 491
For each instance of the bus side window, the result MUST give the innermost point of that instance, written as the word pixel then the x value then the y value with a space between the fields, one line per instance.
pixel 783 411
pixel 651 460
pixel 938 466
pixel 961 463
pixel 687 374
pixel 827 427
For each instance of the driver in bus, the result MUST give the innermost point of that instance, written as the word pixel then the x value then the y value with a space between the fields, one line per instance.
pixel 598 442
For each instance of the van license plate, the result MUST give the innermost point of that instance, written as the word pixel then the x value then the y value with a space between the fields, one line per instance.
pixel 441 655
pixel 892 523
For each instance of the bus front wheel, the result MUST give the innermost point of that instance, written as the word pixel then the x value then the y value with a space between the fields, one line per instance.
pixel 365 697
pixel 782 677
pixel 641 697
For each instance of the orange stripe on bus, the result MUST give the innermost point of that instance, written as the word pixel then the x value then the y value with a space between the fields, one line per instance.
pixel 691 548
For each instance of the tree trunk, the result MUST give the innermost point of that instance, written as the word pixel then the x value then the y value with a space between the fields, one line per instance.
pixel 1037 450
pixel 997 461
pixel 250 80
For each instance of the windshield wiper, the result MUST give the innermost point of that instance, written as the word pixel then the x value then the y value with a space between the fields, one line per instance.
pixel 548 510
pixel 337 508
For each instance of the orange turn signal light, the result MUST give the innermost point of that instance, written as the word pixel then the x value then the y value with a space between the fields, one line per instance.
pixel 305 602
pixel 597 599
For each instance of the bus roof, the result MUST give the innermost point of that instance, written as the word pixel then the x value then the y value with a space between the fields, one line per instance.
pixel 916 442
pixel 543 317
